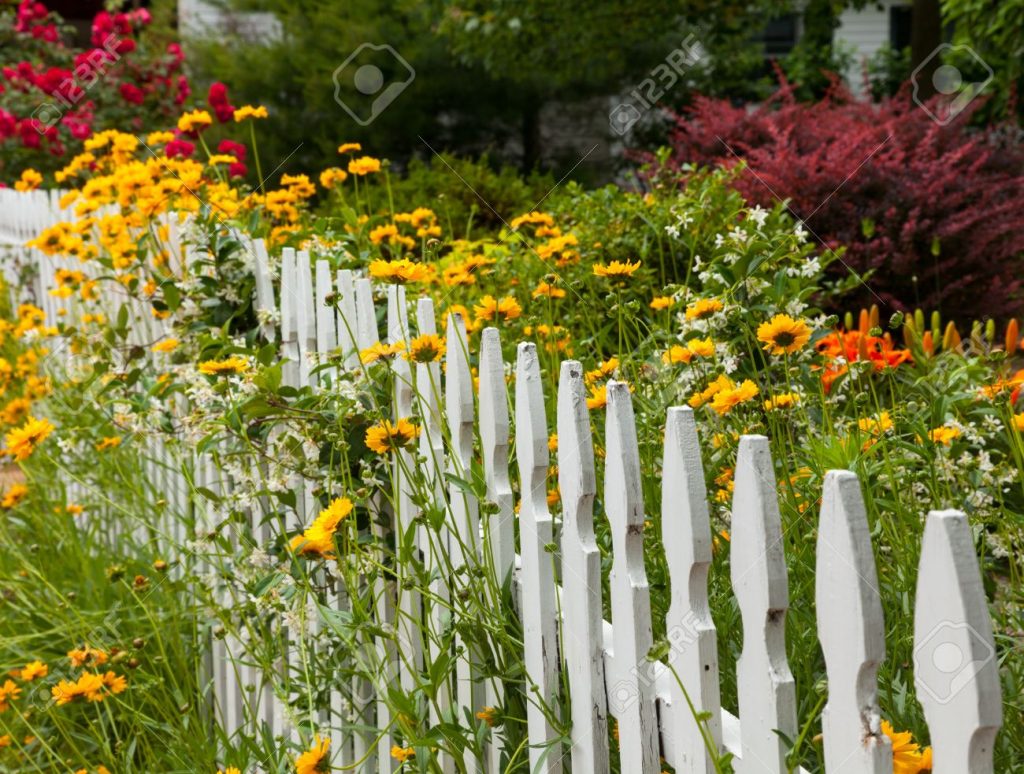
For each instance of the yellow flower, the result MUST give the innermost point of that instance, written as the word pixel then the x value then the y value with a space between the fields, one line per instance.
pixel 427 348
pixel 349 147
pixel 906 753
pixel 8 690
pixel 659 303
pixel 221 158
pixel 684 354
pixel 15 411
pixel 876 426
pixel 781 401
pixel 490 308
pixel 535 218
pixel 553 443
pixel 402 754
pixel 545 289
pixel 194 121
pixel 603 371
pixel 24 440
pixel 380 351
pixel 88 686
pixel 167 345
pixel 110 442
pixel 249 111
pixel 616 269
pixel 598 397
pixel 703 308
pixel 944 435
pixel 229 770
pixel 319 537
pixel 231 365
pixel 725 400
pixel 399 272
pixel 86 655
pixel 33 670
pixel 329 178
pixel 1018 421
pixel 783 335
pixel 315 760
pixel 488 715
pixel 30 180
pixel 364 165
pixel 390 435
pixel 158 138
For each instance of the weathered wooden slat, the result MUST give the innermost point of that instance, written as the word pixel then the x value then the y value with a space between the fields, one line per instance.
pixel 767 694
pixel 631 685
pixel 693 649
pixel 366 318
pixel 538 607
pixel 306 311
pixel 266 306
pixel 955 669
pixel 464 542
pixel 851 630
pixel 290 353
pixel 583 645
pixel 434 543
pixel 326 324
pixel 348 323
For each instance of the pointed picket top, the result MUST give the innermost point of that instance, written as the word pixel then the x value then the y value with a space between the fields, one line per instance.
pixel 631 686
pixel 265 304
pixel 366 316
pixel 540 633
pixel 581 575
pixel 495 431
pixel 851 630
pixel 767 694
pixel 289 291
pixel 348 322
pixel 955 666
pixel 326 326
pixel 306 311
pixel 398 330
pixel 693 649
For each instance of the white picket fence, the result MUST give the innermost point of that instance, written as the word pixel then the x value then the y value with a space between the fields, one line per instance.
pixel 604 663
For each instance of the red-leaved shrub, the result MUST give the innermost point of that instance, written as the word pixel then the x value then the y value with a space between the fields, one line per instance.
pixel 936 213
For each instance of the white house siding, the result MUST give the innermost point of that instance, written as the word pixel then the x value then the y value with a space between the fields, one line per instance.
pixel 865 31
pixel 198 18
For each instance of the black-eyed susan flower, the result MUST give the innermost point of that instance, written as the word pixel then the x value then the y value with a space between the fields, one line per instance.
pixel 781 401
pixel 616 269
pixel 703 308
pixel 349 147
pixel 402 754
pixel 315 760
pixel 660 303
pixel 33 671
pixel 400 272
pixel 23 440
pixel 194 121
pixel 944 435
pixel 388 435
pixel 488 715
pixel 166 346
pixel 247 112
pixel 110 442
pixel 726 400
pixel 228 366
pixel 426 348
pixel 907 756
pixel 364 165
pixel 491 308
pixel 13 495
pixel 381 351
pixel 332 177
pixel 547 290
pixel 783 335
pixel 30 180
pixel 605 370
pixel 318 538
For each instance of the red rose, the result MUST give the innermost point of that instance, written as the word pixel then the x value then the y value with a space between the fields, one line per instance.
pixel 238 169
pixel 131 93
pixel 179 148
pixel 232 148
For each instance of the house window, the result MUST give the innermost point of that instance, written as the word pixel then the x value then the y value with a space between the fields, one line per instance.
pixel 779 35
pixel 899 27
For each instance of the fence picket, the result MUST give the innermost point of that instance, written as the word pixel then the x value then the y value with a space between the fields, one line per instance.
pixel 366 317
pixel 631 692
pixel 582 632
pixel 289 319
pixel 851 630
pixel 348 324
pixel 955 666
pixel 767 694
pixel 326 324
pixel 464 544
pixel 434 544
pixel 538 606
pixel 498 532
pixel 306 311
pixel 686 534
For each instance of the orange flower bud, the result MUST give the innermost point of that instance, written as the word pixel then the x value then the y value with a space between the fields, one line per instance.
pixel 1012 336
